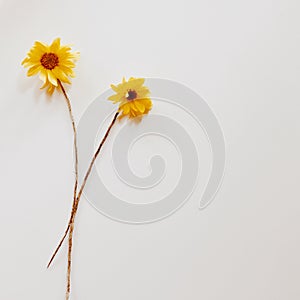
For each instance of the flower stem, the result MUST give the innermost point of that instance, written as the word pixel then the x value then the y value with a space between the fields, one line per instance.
pixel 76 164
pixel 75 207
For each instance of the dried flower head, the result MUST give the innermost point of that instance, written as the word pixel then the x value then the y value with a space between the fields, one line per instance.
pixel 53 63
pixel 132 96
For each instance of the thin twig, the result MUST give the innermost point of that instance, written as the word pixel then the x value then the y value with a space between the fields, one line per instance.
pixel 76 166
pixel 59 245
pixel 75 207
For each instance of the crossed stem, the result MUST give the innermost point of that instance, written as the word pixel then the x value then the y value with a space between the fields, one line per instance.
pixel 70 227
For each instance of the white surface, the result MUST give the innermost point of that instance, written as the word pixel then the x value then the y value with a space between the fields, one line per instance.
pixel 243 58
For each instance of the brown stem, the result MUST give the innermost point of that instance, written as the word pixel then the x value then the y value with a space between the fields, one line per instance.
pixel 75 207
pixel 76 166
pixel 60 243
pixel 69 260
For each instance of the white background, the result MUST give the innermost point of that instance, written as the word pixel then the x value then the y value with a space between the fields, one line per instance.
pixel 243 58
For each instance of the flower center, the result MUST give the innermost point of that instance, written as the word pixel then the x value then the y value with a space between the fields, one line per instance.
pixel 131 95
pixel 49 61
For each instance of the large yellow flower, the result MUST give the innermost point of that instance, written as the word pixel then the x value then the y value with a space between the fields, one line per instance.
pixel 132 96
pixel 53 63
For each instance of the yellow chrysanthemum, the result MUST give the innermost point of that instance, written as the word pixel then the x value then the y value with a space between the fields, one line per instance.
pixel 132 96
pixel 53 63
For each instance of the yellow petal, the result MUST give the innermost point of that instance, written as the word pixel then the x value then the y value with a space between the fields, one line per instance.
pixel 139 105
pixel 44 85
pixel 138 81
pixel 132 106
pixel 55 45
pixel 115 88
pixel 132 114
pixel 26 59
pixel 34 70
pixel 115 98
pixel 68 71
pixel 75 55
pixel 52 78
pixel 43 75
pixel 59 74
pixel 142 91
pixel 125 108
pixel 51 89
pixel 42 46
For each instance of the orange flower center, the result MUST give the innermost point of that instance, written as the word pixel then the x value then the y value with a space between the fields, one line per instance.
pixel 131 95
pixel 49 61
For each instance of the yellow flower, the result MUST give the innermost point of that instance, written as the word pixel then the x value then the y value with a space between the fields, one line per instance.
pixel 132 96
pixel 53 63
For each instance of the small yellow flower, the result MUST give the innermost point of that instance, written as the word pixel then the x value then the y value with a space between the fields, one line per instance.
pixel 132 96
pixel 53 63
